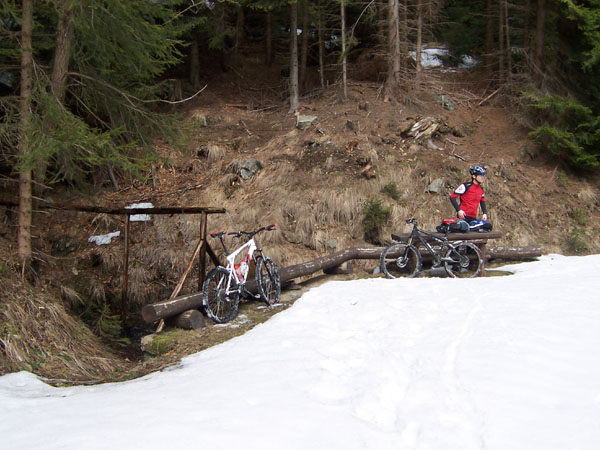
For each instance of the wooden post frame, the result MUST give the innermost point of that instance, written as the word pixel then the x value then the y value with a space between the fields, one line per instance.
pixel 202 255
pixel 205 211
pixel 124 296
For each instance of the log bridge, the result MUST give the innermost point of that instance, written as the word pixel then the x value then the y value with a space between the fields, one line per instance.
pixel 333 263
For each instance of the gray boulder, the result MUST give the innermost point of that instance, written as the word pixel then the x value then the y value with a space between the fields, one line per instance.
pixel 247 168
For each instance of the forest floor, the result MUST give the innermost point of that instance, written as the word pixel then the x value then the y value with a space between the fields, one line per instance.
pixel 314 183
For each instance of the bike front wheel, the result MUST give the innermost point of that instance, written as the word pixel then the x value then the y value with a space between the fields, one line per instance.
pixel 267 281
pixel 400 260
pixel 463 260
pixel 219 305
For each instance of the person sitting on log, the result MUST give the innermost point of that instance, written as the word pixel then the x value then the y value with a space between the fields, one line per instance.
pixel 471 196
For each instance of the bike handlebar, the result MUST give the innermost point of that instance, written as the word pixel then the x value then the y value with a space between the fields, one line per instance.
pixel 412 221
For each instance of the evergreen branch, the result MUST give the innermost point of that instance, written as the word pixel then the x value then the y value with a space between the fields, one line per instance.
pixel 180 13
pixel 89 110
pixel 359 17
pixel 185 99
pixel 128 96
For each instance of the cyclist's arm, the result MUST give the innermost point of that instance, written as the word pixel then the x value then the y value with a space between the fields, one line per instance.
pixel 454 201
pixel 456 195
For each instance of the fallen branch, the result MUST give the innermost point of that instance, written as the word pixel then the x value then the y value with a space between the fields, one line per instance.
pixel 489 96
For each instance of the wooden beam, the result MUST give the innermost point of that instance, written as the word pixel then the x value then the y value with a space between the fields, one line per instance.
pixel 128 211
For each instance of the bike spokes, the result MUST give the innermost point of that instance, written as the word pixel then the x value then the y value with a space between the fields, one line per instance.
pixel 267 281
pixel 219 304
pixel 464 260
pixel 400 260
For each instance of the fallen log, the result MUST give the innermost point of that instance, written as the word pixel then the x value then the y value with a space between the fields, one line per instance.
pixel 161 310
pixel 192 319
pixel 328 263
pixel 492 253
pixel 514 253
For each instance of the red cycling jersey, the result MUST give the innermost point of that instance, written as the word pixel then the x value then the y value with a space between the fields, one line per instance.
pixel 471 196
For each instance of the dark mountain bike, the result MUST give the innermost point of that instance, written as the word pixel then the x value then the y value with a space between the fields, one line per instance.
pixel 403 259
pixel 223 286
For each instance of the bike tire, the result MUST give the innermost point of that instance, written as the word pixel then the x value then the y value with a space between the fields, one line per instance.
pixel 268 283
pixel 467 260
pixel 219 307
pixel 400 260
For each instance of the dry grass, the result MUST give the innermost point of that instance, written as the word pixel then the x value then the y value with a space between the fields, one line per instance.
pixel 96 291
pixel 37 334
pixel 214 153
pixel 587 195
pixel 70 296
pixel 110 257
pixel 105 223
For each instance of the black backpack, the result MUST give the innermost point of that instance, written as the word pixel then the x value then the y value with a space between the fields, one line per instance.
pixel 453 225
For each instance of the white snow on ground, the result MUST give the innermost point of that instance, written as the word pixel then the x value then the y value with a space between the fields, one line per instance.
pixel 494 363
pixel 431 57
pixel 104 239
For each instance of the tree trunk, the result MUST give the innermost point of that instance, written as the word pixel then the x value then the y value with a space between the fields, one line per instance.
pixel 501 41
pixel 381 22
pixel 403 32
pixel 195 62
pixel 25 180
pixel 321 47
pixel 489 39
pixel 344 56
pixel 304 45
pixel 294 96
pixel 527 32
pixel 60 68
pixel 269 49
pixel 241 26
pixel 64 35
pixel 418 67
pixel 239 35
pixel 539 35
pixel 393 74
pixel 508 50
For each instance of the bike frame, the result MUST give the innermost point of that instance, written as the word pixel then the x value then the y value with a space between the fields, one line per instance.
pixel 251 248
pixel 416 233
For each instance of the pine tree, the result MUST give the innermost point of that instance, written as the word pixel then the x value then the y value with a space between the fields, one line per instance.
pixel 94 107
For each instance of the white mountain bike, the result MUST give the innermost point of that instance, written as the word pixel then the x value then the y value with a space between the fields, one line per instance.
pixel 223 286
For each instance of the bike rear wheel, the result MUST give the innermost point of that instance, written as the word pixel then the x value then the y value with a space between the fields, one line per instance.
pixel 464 260
pixel 220 306
pixel 400 260
pixel 267 280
